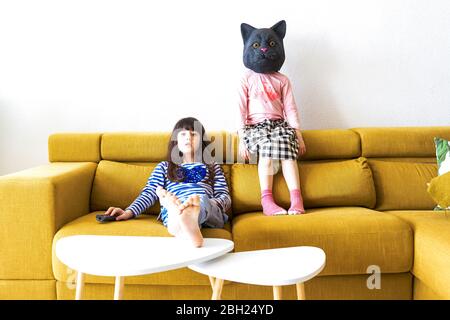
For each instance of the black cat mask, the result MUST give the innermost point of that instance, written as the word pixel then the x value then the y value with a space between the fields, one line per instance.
pixel 263 48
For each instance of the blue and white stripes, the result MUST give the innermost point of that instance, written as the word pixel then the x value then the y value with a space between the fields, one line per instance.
pixel 218 192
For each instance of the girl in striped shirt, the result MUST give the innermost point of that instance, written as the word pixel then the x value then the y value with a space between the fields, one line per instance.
pixel 190 186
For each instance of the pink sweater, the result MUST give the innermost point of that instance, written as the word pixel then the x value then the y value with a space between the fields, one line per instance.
pixel 266 96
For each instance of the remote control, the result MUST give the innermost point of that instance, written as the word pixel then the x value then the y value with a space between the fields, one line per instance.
pixel 104 218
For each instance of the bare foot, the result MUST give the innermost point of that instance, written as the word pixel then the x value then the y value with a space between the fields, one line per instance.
pixel 189 220
pixel 174 207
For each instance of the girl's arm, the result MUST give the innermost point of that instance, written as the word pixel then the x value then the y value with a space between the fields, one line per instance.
pixel 243 104
pixel 291 113
pixel 221 194
pixel 290 107
pixel 148 195
pixel 243 113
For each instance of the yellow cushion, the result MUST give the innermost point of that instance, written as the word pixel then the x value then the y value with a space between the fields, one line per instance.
pixel 353 238
pixel 118 185
pixel 400 142
pixel 72 147
pixel 144 225
pixel 439 190
pixel 402 185
pixel 336 183
pixel 150 147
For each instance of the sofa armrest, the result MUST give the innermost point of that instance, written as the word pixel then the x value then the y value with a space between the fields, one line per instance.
pixel 34 204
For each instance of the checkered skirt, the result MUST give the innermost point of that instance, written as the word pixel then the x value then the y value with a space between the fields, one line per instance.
pixel 273 139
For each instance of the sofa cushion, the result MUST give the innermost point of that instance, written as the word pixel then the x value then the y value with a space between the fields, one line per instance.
pixel 353 238
pixel 431 248
pixel 119 184
pixel 439 190
pixel 402 185
pixel 332 183
pixel 144 225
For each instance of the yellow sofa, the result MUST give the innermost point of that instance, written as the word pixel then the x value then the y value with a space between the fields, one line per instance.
pixel 365 191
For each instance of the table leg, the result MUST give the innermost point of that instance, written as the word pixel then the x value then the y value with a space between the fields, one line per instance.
pixel 212 279
pixel 276 292
pixel 118 288
pixel 80 286
pixel 217 289
pixel 300 291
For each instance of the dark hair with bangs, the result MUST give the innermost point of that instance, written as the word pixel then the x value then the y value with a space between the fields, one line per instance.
pixel 174 171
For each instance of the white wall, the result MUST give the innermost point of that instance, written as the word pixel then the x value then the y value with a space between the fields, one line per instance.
pixel 102 66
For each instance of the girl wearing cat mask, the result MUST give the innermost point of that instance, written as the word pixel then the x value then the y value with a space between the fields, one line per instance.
pixel 269 121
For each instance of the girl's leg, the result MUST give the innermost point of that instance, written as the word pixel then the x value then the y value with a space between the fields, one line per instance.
pixel 172 203
pixel 183 217
pixel 291 175
pixel 210 214
pixel 266 172
pixel 189 220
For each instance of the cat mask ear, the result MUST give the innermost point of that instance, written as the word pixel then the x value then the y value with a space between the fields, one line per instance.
pixel 246 30
pixel 280 28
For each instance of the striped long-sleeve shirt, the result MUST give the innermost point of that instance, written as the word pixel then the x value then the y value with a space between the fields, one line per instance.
pixel 217 193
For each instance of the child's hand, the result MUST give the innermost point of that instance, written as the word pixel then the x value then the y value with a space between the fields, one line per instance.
pixel 301 143
pixel 243 152
pixel 119 213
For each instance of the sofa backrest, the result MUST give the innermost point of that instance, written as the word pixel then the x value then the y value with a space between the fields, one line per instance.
pixel 381 168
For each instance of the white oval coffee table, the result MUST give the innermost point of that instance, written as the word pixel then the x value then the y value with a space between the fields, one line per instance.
pixel 271 267
pixel 120 256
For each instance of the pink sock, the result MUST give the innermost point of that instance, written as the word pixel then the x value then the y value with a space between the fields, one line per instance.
pixel 270 208
pixel 296 202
